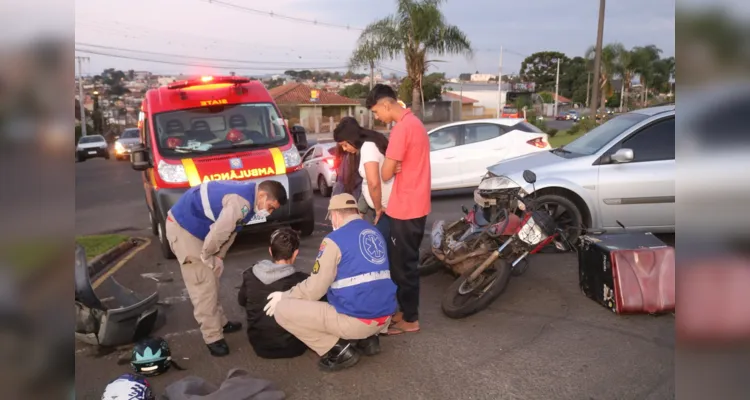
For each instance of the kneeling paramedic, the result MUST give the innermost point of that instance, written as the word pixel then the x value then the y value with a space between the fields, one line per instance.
pixel 200 228
pixel 351 269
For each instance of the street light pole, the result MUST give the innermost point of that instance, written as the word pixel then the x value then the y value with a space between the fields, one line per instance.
pixel 588 88
pixel 81 100
pixel 597 60
pixel 500 85
pixel 557 86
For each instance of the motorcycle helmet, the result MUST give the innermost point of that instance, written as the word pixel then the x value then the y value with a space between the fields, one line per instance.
pixel 173 142
pixel 128 386
pixel 151 356
pixel 235 135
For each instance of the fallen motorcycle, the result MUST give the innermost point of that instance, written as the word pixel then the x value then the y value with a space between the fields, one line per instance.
pixel 492 248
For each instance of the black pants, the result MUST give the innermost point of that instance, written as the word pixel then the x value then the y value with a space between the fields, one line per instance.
pixel 403 254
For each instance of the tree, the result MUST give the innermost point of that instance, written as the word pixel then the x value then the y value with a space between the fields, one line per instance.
pixel 432 88
pixel 573 79
pixel 291 73
pixel 610 66
pixel 131 74
pixel 355 91
pixel 417 29
pixel 541 68
pixel 464 77
pixel 645 60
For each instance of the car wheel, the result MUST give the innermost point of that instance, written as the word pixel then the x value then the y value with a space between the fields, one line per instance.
pixel 566 214
pixel 166 251
pixel 80 158
pixel 305 227
pixel 323 187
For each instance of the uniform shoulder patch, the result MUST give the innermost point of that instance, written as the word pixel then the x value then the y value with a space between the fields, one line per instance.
pixel 245 211
pixel 321 249
pixel 316 267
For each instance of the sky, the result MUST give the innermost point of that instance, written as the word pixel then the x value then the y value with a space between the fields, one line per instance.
pixel 217 38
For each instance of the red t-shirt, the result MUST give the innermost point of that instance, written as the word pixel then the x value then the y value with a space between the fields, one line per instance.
pixel 408 143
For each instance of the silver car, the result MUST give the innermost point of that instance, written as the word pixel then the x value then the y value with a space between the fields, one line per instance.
pixel 91 146
pixel 318 161
pixel 623 170
pixel 130 137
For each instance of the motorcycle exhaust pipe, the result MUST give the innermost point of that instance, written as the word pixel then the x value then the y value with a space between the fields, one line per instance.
pixel 491 259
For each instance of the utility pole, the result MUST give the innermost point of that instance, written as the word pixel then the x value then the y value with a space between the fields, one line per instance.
pixel 80 94
pixel 588 88
pixel 597 60
pixel 500 85
pixel 557 85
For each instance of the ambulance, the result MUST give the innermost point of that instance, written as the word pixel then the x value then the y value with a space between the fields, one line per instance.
pixel 217 128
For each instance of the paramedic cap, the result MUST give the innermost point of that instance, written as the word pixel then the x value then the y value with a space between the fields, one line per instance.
pixel 341 202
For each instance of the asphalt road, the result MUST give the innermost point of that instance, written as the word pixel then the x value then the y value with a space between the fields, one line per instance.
pixel 542 339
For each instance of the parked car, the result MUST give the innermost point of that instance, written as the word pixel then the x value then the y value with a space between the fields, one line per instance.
pixel 130 138
pixel 622 170
pixel 92 146
pixel 318 161
pixel 460 152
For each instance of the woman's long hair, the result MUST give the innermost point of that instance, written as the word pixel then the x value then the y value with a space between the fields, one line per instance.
pixel 346 165
pixel 349 130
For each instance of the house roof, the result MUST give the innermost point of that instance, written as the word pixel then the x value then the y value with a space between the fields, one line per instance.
pixel 448 96
pixel 561 99
pixel 299 94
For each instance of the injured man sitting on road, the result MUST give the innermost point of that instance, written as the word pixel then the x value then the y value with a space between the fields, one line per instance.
pixel 351 269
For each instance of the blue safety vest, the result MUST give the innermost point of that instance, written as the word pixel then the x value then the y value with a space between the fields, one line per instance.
pixel 199 207
pixel 363 287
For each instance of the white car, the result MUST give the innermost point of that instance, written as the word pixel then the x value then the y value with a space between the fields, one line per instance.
pixel 318 162
pixel 461 152
pixel 92 146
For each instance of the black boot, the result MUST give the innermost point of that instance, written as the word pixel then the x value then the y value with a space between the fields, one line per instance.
pixel 219 348
pixel 232 326
pixel 369 346
pixel 342 355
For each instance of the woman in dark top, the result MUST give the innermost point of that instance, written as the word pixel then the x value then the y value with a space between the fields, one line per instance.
pixel 269 340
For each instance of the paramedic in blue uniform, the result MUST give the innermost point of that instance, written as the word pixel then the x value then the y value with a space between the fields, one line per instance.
pixel 351 269
pixel 200 228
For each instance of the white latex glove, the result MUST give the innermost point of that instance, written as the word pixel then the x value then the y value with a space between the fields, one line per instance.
pixel 273 301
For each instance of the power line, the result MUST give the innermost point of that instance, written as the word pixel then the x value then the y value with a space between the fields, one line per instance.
pixel 281 16
pixel 185 56
pixel 188 64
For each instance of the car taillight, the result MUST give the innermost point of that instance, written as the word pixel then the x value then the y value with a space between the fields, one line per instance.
pixel 329 161
pixel 538 142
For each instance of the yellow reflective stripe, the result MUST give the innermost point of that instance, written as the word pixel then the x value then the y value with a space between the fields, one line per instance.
pixel 192 173
pixel 278 161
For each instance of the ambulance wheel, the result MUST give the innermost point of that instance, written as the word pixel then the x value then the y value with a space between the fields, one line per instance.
pixel 166 251
pixel 154 223
pixel 305 227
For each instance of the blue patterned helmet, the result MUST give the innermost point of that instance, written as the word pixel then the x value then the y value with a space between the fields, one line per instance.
pixel 130 387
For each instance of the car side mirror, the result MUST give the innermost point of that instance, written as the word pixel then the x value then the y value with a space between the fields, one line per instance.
pixel 139 159
pixel 529 176
pixel 622 156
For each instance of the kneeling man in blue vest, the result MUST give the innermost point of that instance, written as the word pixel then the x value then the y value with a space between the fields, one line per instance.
pixel 200 228
pixel 352 271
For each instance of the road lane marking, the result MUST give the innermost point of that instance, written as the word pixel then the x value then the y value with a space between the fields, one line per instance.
pixel 122 262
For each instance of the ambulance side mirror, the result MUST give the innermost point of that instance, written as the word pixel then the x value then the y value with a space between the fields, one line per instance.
pixel 139 159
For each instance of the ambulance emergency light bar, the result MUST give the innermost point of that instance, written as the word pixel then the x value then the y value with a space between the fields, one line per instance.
pixel 206 80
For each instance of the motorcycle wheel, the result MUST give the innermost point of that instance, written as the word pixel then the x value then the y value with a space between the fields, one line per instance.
pixel 465 298
pixel 522 267
pixel 428 264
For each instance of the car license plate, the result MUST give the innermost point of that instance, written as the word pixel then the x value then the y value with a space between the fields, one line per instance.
pixel 92 152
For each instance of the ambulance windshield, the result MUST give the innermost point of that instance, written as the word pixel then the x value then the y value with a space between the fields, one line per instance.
pixel 219 129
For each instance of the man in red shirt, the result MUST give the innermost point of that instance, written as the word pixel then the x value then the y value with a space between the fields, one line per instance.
pixel 408 159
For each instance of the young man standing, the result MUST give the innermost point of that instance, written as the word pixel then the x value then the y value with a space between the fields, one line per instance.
pixel 408 158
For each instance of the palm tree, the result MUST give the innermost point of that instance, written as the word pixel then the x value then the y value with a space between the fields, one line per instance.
pixel 610 66
pixel 645 58
pixel 366 54
pixel 417 29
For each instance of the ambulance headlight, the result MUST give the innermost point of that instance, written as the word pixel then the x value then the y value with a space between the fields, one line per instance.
pixel 291 157
pixel 171 173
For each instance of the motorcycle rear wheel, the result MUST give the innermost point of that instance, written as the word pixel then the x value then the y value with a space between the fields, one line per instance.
pixel 429 264
pixel 465 298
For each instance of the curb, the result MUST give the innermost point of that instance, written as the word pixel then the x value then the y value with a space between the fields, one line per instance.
pixel 100 262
